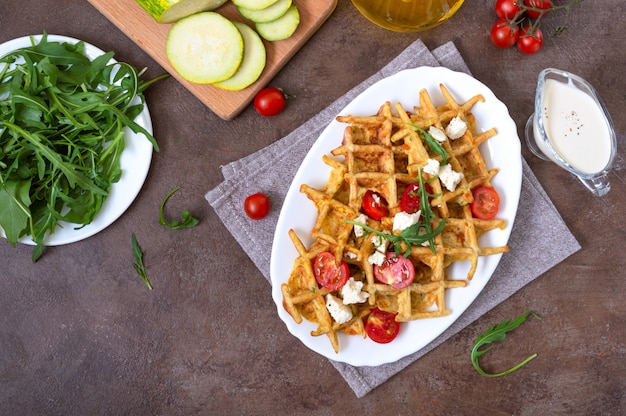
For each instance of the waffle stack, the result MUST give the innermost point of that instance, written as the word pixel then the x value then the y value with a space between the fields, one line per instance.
pixel 385 153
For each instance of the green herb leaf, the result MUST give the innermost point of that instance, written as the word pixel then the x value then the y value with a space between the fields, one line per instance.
pixel 187 220
pixel 433 144
pixel 498 333
pixel 139 267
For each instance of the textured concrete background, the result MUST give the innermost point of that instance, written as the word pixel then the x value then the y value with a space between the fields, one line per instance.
pixel 81 335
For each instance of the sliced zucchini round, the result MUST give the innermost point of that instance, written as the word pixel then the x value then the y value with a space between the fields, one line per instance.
pixel 204 48
pixel 254 4
pixel 267 14
pixel 253 63
pixel 281 28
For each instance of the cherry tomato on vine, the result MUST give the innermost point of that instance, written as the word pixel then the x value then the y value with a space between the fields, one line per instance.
pixel 507 8
pixel 381 326
pixel 257 206
pixel 269 101
pixel 327 273
pixel 530 40
pixel 486 203
pixel 504 34
pixel 544 5
pixel 375 205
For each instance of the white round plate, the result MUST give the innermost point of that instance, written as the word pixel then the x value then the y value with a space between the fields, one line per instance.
pixel 135 162
pixel 298 212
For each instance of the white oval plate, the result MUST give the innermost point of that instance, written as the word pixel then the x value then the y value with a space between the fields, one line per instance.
pixel 135 163
pixel 298 212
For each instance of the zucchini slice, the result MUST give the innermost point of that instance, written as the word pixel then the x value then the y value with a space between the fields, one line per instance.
pixel 281 28
pixel 253 63
pixel 170 11
pixel 204 48
pixel 254 4
pixel 267 14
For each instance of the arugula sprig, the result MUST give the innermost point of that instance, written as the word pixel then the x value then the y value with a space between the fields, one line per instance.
pixel 62 121
pixel 433 144
pixel 498 333
pixel 186 221
pixel 417 233
pixel 139 266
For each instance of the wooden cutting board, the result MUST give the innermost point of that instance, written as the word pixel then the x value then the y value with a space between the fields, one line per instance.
pixel 129 17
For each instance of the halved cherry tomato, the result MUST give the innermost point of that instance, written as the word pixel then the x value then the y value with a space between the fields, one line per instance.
pixel 396 271
pixel 328 273
pixel 381 326
pixel 410 201
pixel 486 203
pixel 257 206
pixel 375 205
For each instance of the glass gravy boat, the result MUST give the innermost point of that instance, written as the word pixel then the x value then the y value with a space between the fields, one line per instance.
pixel 572 128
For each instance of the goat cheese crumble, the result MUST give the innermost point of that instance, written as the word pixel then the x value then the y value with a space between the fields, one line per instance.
pixel 377 258
pixel 449 177
pixel 432 167
pixel 358 230
pixel 456 128
pixel 341 313
pixel 437 134
pixel 403 220
pixel 351 292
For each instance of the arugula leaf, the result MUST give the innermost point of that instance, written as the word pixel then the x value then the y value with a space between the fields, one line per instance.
pixel 62 130
pixel 498 333
pixel 187 220
pixel 139 267
pixel 433 144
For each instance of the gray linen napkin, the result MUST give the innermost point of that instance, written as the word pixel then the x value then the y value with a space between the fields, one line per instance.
pixel 538 229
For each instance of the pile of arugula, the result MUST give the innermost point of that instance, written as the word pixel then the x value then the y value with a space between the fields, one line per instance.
pixel 61 135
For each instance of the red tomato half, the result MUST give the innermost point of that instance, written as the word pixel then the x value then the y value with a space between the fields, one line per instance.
pixel 396 271
pixel 486 203
pixel 328 273
pixel 381 326
pixel 410 201
pixel 257 206
pixel 269 101
pixel 375 205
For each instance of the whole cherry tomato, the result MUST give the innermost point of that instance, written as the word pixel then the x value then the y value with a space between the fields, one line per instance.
pixel 269 101
pixel 530 40
pixel 544 5
pixel 507 9
pixel 504 34
pixel 257 206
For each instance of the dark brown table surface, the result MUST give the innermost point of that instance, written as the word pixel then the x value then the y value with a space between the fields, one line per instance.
pixel 80 334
